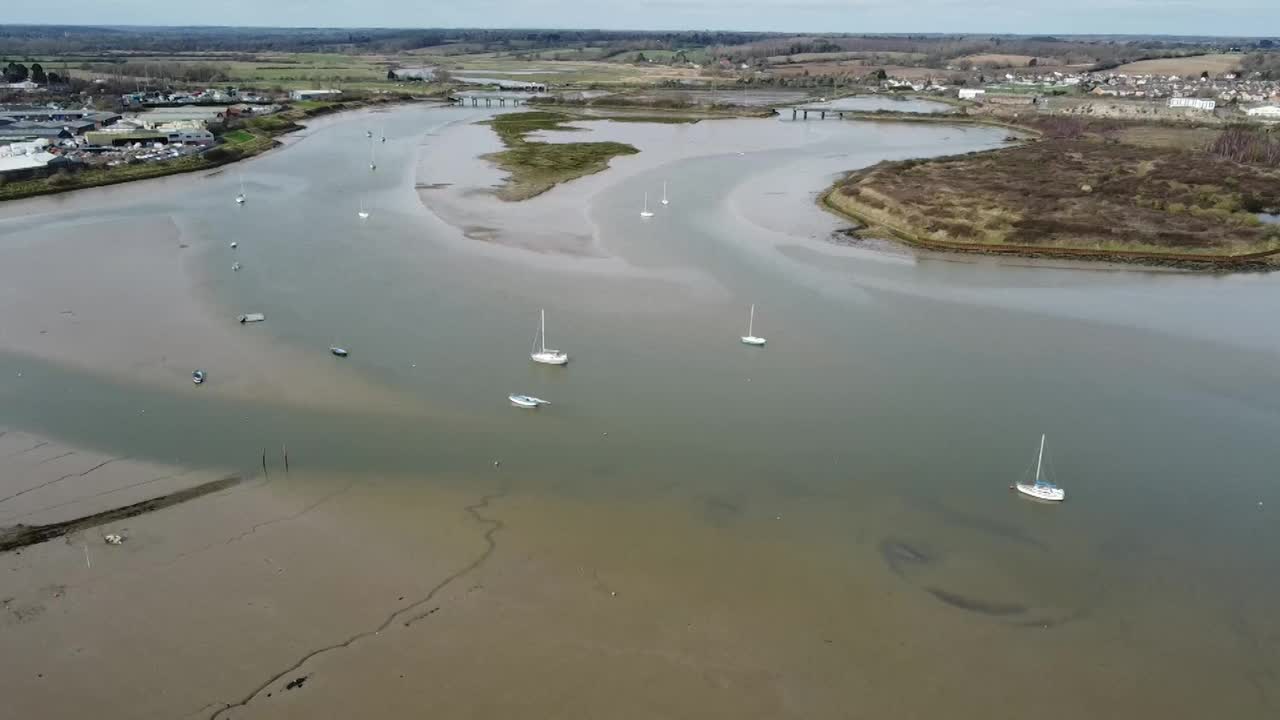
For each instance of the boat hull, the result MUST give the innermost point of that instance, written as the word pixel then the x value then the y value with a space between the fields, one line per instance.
pixel 550 357
pixel 1042 492
pixel 526 401
pixel 753 341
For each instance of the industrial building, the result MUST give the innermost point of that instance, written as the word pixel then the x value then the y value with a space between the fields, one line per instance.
pixel 315 94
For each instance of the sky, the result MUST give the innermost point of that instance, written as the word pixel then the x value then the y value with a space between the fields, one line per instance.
pixel 1172 17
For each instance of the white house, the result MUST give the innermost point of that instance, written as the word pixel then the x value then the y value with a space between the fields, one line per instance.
pixel 1268 112
pixel 25 86
pixel 971 93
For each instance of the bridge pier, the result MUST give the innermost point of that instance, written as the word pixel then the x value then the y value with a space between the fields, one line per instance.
pixel 806 114
pixel 475 102
pixel 824 114
pixel 793 113
pixel 488 102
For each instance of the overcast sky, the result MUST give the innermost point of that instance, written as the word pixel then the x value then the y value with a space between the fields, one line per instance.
pixel 1175 17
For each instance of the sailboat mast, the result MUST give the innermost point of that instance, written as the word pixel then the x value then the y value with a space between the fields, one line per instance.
pixel 542 329
pixel 1040 458
pixel 751 322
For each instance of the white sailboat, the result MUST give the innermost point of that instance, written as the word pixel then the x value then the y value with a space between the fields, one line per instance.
pixel 750 338
pixel 645 212
pixel 383 132
pixel 1041 489
pixel 363 213
pixel 372 164
pixel 240 197
pixel 664 193
pixel 546 356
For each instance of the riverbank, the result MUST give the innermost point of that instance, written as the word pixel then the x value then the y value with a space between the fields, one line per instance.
pixel 1105 200
pixel 257 136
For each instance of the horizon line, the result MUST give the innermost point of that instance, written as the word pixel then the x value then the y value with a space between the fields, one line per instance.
pixel 774 33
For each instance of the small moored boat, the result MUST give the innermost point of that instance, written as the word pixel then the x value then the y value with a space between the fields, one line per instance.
pixel 252 318
pixel 526 401
pixel 546 356
pixel 750 338
pixel 197 377
pixel 1041 489
pixel 339 352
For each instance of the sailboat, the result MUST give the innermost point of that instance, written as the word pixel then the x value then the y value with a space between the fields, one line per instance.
pixel 383 133
pixel 240 197
pixel 664 193
pixel 372 165
pixel 645 212
pixel 363 213
pixel 546 356
pixel 1042 489
pixel 750 338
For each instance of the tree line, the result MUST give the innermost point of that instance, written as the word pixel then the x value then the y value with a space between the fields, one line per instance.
pixel 15 72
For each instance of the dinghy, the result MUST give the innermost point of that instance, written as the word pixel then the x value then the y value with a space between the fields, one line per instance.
pixel 527 401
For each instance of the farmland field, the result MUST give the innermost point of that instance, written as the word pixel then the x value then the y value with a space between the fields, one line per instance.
pixel 1002 60
pixel 1190 65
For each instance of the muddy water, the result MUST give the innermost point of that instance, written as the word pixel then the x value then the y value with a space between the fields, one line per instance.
pixel 838 496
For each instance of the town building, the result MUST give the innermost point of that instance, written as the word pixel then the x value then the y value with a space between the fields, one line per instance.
pixel 23 158
pixel 314 94
pixel 1266 112
pixel 1194 103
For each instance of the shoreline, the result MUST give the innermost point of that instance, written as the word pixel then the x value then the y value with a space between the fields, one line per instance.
pixel 849 209
pixel 1251 262
pixel 262 142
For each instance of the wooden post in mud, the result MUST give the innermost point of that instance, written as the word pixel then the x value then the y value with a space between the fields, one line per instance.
pixel 264 462
pixel 284 450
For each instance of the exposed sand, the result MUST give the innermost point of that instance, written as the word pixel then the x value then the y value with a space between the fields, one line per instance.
pixel 457 186
pixel 306 595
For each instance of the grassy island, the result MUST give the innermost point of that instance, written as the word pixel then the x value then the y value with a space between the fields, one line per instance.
pixel 536 167
pixel 1080 196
